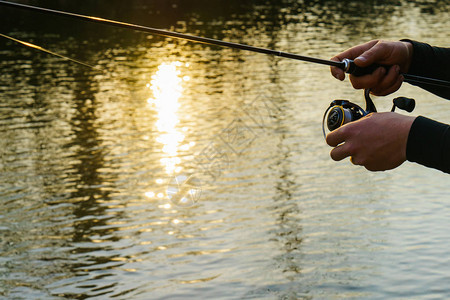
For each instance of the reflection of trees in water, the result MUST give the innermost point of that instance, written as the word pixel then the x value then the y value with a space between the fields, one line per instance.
pixel 59 154
pixel 288 230
pixel 164 14
pixel 91 194
pixel 90 159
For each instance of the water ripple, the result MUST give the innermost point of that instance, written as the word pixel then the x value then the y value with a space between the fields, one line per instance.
pixel 86 165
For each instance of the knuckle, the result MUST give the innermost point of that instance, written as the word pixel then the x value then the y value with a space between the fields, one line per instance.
pixel 348 129
pixel 382 44
pixel 356 160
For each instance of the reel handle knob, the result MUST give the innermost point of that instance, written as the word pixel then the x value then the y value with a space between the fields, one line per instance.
pixel 351 68
pixel 404 103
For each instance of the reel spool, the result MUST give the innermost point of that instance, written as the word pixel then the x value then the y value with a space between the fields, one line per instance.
pixel 341 112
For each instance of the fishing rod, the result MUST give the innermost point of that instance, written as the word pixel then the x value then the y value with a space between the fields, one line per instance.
pixel 347 65
pixel 30 45
pixel 166 33
pixel 338 113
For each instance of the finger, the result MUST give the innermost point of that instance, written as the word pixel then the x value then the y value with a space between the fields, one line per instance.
pixel 336 72
pixel 368 81
pixel 354 160
pixel 340 152
pixel 390 83
pixel 336 137
pixel 350 54
pixel 356 51
pixel 396 86
pixel 376 54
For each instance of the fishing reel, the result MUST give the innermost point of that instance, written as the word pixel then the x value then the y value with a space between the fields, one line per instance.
pixel 341 112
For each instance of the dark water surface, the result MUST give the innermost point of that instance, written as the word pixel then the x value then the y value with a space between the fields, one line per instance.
pixel 177 170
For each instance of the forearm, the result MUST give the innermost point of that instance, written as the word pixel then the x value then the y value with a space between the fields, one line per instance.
pixel 429 144
pixel 433 62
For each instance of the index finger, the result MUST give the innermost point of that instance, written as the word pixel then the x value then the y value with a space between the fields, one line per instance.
pixel 336 137
pixel 351 53
pixel 356 51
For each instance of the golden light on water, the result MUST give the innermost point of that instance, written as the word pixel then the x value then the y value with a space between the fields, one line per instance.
pixel 167 90
pixel 150 194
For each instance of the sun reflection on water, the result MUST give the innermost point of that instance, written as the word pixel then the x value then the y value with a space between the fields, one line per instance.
pixel 167 90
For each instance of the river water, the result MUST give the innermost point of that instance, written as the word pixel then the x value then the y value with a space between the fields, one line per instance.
pixel 176 170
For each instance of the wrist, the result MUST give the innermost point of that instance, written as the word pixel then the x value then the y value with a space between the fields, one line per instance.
pixel 404 68
pixel 405 128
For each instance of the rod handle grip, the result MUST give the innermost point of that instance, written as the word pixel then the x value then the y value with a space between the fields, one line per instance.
pixel 351 68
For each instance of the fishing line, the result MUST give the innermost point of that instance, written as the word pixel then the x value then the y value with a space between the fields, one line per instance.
pixel 30 45
pixel 346 65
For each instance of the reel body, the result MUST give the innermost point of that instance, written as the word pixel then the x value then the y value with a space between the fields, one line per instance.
pixel 341 112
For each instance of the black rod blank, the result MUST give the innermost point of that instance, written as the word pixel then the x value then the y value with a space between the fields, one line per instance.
pixel 173 34
pixel 347 65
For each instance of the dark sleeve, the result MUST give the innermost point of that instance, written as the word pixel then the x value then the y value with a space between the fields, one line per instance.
pixel 433 62
pixel 429 144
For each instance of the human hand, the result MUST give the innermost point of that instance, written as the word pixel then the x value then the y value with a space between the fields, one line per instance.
pixel 382 81
pixel 377 141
